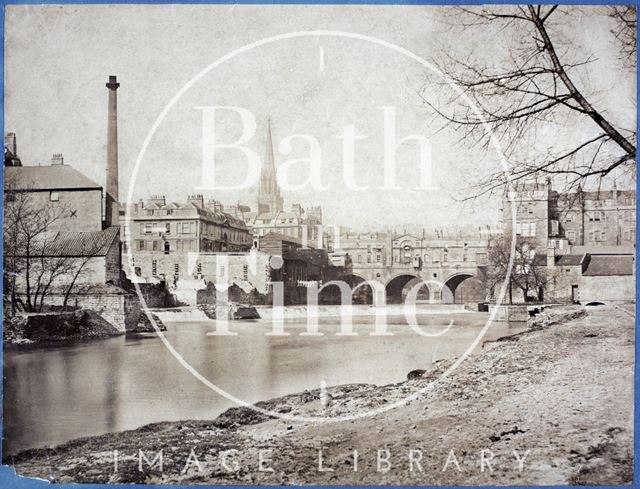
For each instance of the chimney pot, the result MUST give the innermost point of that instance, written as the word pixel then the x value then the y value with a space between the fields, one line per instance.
pixel 57 159
pixel 10 143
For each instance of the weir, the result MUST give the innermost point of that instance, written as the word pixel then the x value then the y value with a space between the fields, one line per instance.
pixel 181 315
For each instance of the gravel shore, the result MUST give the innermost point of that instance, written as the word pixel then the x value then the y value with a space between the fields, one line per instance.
pixel 551 405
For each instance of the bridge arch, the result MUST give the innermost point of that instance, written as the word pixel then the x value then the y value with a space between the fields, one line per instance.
pixel 398 286
pixel 361 291
pixel 453 291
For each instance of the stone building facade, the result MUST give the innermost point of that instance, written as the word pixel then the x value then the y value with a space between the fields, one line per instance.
pixel 248 270
pixel 605 274
pixel 603 218
pixel 158 227
pixel 586 239
pixel 60 187
pixel 580 218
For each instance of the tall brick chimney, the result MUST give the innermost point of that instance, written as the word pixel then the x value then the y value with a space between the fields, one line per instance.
pixel 111 198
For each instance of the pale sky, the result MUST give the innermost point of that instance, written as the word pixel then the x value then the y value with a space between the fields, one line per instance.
pixel 58 59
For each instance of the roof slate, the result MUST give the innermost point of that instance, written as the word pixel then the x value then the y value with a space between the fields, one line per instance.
pixel 607 265
pixel 54 177
pixel 77 244
pixel 569 260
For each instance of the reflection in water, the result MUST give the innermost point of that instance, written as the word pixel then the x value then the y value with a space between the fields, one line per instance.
pixel 59 393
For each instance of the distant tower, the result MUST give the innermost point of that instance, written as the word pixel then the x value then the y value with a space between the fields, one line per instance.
pixel 111 198
pixel 269 198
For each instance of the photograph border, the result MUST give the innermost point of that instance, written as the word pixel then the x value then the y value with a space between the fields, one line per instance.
pixel 8 477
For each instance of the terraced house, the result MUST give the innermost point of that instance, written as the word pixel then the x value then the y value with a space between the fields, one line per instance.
pixel 161 235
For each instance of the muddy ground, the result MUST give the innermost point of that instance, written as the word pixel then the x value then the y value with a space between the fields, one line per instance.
pixel 552 405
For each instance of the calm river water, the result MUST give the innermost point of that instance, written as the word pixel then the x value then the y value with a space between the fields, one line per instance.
pixel 55 394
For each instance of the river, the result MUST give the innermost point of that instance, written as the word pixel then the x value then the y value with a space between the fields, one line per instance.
pixel 55 394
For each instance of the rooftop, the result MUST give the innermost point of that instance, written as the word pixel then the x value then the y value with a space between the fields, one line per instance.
pixel 53 177
pixel 76 244
pixel 607 265
pixel 569 260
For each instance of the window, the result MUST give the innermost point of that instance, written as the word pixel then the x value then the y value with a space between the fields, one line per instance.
pixel 359 258
pixel 148 228
pixel 368 258
pixel 167 228
pixel 169 212
pixel 596 216
pixel 141 245
pixel 571 235
pixel 155 245
pixel 526 229
pixel 154 267
pixel 54 196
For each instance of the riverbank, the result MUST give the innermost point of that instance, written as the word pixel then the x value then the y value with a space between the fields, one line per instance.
pixel 563 391
pixel 56 326
pixel 31 329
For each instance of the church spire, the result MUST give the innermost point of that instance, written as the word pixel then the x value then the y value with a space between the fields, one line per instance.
pixel 269 198
pixel 268 182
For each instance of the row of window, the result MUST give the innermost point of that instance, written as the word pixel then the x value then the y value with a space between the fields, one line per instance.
pixel 597 216
pixel 176 270
pixel 524 209
pixel 370 258
pixel 159 212
pixel 190 227
pixel 407 257
pixel 598 235
pixel 224 233
pixel 167 246
pixel 166 227
pixel 274 221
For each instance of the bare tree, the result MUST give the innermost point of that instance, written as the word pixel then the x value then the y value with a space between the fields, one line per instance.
pixel 626 25
pixel 525 84
pixel 526 274
pixel 79 270
pixel 30 268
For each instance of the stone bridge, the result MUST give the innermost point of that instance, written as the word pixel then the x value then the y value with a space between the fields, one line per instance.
pixel 433 284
